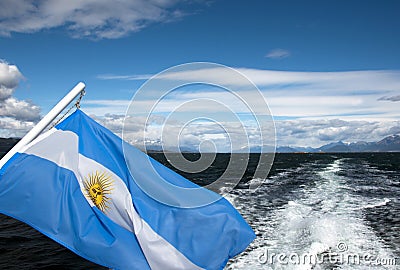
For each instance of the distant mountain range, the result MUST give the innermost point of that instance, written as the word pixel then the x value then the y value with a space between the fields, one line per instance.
pixel 388 144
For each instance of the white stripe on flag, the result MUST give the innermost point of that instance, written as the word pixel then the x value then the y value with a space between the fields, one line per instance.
pixel 61 147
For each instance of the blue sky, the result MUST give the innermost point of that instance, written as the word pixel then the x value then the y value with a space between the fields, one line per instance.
pixel 330 70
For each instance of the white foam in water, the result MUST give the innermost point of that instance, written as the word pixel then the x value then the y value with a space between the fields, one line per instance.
pixel 256 182
pixel 231 198
pixel 378 203
pixel 326 218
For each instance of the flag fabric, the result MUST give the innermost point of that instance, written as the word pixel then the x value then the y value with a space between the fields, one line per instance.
pixel 73 184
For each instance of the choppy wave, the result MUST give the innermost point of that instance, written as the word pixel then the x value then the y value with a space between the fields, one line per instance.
pixel 324 215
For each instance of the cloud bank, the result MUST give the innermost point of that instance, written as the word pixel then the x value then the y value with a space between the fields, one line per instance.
pixel 309 108
pixel 16 116
pixel 313 133
pixel 352 95
pixel 89 18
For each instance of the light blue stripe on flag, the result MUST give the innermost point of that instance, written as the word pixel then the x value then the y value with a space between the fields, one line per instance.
pixel 48 198
pixel 203 237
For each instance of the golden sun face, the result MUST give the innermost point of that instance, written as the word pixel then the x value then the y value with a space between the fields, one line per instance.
pixel 98 186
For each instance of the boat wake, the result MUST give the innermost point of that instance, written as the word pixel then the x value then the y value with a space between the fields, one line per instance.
pixel 324 217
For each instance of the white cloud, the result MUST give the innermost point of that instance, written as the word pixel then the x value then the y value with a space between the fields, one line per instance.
pixel 172 134
pixel 310 108
pixel 338 82
pixel 347 94
pixel 319 132
pixel 102 107
pixel 277 54
pixel 11 127
pixel 229 135
pixel 124 77
pixel 85 18
pixel 16 116
pixel 10 77
pixel 20 109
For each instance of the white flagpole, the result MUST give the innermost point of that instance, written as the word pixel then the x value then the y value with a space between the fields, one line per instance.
pixel 36 130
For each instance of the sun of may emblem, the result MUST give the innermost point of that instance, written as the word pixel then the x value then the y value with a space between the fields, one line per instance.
pixel 98 186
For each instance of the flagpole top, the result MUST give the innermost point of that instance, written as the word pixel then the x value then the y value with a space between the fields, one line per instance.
pixel 46 120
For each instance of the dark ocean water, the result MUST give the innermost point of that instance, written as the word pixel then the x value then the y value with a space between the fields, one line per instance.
pixel 322 205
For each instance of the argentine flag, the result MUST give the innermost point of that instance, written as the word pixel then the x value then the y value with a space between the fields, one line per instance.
pixel 73 184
